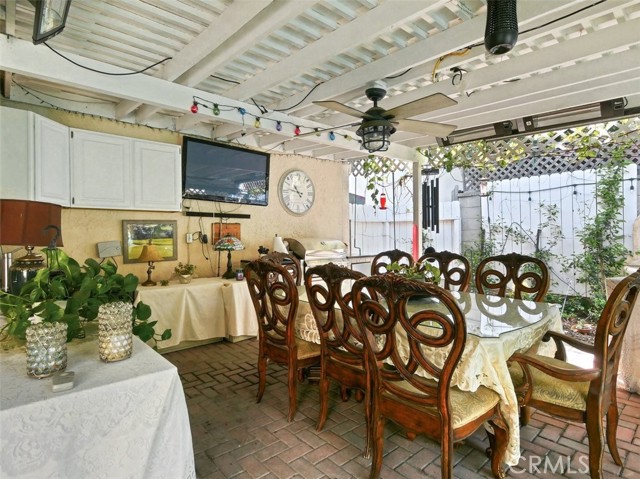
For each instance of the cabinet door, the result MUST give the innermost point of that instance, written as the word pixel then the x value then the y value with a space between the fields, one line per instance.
pixel 16 154
pixel 101 170
pixel 158 182
pixel 51 162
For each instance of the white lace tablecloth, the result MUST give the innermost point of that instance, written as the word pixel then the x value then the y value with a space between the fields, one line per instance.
pixel 497 328
pixel 629 369
pixel 126 419
pixel 204 309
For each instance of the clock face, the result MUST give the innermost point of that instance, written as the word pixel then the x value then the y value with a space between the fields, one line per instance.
pixel 296 191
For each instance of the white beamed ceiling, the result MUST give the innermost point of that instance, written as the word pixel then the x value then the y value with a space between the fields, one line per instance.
pixel 284 54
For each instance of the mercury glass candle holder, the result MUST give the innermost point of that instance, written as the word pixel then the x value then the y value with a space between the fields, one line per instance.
pixel 46 349
pixel 115 337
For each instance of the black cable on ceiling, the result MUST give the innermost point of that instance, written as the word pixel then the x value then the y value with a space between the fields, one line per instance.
pixel 102 72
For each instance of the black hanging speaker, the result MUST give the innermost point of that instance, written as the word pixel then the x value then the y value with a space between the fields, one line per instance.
pixel 501 33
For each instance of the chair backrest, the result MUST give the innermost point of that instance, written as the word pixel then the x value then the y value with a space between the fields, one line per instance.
pixel 454 269
pixel 384 259
pixel 441 332
pixel 328 289
pixel 610 331
pixel 275 299
pixel 287 261
pixel 516 269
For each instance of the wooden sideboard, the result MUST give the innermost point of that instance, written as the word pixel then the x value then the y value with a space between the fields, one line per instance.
pixel 204 310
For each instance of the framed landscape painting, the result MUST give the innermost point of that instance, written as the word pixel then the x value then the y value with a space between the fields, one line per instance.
pixel 158 233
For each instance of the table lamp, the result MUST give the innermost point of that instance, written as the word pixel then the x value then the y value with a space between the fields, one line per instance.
pixel 25 223
pixel 228 243
pixel 150 254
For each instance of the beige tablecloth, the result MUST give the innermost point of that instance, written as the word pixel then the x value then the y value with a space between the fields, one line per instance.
pixel 206 308
pixel 497 328
pixel 122 419
pixel 629 371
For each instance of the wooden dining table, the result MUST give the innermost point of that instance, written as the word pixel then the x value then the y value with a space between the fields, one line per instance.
pixel 497 327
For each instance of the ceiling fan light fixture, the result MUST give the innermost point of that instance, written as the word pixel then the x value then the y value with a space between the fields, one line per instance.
pixel 50 18
pixel 376 134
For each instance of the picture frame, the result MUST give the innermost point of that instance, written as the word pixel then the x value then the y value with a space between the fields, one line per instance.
pixel 162 234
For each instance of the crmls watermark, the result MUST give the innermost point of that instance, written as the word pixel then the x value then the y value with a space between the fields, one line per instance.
pixel 557 465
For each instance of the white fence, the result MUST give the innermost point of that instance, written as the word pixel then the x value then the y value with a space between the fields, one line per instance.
pixel 517 215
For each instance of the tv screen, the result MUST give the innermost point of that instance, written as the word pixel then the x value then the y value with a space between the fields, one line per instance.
pixel 230 174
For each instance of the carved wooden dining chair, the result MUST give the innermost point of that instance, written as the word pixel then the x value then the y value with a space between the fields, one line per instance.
pixel 576 394
pixel 342 351
pixel 382 260
pixel 275 299
pixel 288 261
pixel 399 390
pixel 527 276
pixel 454 269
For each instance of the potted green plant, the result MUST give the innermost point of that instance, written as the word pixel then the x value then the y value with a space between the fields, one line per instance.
pixel 185 271
pixel 421 272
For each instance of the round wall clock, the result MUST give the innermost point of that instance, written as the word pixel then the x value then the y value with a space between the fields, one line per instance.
pixel 296 192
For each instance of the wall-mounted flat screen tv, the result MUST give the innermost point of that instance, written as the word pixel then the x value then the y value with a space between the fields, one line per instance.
pixel 219 172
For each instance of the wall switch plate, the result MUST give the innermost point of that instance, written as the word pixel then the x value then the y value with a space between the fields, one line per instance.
pixel 189 238
pixel 107 249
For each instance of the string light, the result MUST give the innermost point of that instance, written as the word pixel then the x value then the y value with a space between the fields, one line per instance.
pixel 242 111
pixel 216 109
pixel 278 126
pixel 194 107
pixel 256 124
pixel 297 130
pixel 632 187
pixel 332 136
pixel 317 130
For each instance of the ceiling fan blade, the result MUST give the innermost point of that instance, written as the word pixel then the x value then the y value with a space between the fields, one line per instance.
pixel 425 127
pixel 337 106
pixel 422 105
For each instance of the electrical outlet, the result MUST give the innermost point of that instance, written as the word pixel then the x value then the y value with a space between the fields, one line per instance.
pixel 189 238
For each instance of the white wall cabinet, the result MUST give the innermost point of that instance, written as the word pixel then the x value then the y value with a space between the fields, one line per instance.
pixel 115 172
pixel 34 158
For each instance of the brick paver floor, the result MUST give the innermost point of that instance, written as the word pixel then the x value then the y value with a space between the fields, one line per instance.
pixel 234 437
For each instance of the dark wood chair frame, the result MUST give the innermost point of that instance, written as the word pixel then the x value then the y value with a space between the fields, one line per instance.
pixel 382 260
pixel 275 299
pixel 493 281
pixel 378 324
pixel 288 261
pixel 342 349
pixel 602 378
pixel 454 268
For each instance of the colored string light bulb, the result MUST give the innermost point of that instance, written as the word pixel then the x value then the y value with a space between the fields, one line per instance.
pixel 216 109
pixel 256 124
pixel 278 126
pixel 332 136
pixel 194 107
pixel 297 130
pixel 317 132
pixel 242 111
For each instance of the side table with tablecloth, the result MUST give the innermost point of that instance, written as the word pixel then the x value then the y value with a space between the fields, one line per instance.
pixel 123 419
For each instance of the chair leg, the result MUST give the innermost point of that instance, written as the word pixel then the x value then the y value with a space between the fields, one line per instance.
pixel 596 446
pixel 612 428
pixel 262 375
pixel 344 393
pixel 498 446
pixel 525 415
pixel 367 421
pixel 292 386
pixel 324 400
pixel 377 434
pixel 446 453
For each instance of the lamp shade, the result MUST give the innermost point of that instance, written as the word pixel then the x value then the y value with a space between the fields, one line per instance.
pixel 23 223
pixel 228 243
pixel 50 18
pixel 150 254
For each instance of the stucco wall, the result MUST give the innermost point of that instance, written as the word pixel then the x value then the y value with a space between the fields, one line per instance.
pixel 328 218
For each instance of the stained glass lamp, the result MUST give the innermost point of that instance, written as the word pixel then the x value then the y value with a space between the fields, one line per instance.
pixel 228 243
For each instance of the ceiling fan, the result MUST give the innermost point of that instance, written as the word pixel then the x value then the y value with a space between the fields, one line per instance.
pixel 379 124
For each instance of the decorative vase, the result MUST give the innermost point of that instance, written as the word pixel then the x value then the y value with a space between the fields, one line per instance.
pixel 46 349
pixel 185 278
pixel 115 337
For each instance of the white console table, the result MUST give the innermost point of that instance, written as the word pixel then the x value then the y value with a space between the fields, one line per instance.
pixel 123 419
pixel 202 310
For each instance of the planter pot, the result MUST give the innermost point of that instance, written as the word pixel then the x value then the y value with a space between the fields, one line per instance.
pixel 115 337
pixel 185 278
pixel 46 349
